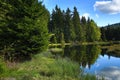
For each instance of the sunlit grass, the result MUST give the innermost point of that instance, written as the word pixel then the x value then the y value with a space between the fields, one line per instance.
pixel 112 47
pixel 43 67
pixel 56 49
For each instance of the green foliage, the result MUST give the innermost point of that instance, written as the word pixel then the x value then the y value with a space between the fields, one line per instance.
pixel 111 32
pixel 3 68
pixel 88 77
pixel 103 36
pixel 46 68
pixel 84 55
pixel 56 25
pixel 69 31
pixel 77 25
pixel 84 28
pixel 93 32
pixel 49 68
pixel 73 28
pixel 62 39
pixel 23 28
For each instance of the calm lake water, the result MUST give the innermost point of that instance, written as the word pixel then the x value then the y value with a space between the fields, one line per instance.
pixel 94 59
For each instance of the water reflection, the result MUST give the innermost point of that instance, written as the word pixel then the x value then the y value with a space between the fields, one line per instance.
pixel 94 59
pixel 113 53
pixel 84 55
pixel 109 73
pixel 107 65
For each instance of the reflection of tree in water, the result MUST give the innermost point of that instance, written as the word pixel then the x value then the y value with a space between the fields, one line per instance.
pixel 85 55
pixel 93 52
pixel 113 53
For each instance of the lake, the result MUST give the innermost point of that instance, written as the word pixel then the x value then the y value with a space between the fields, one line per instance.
pixel 102 61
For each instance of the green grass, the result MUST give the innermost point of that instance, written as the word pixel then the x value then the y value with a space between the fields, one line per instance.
pixel 56 49
pixel 86 43
pixel 43 67
pixel 112 47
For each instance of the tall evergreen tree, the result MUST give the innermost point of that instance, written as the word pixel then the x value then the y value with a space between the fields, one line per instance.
pixel 77 26
pixel 25 26
pixel 84 26
pixel 93 32
pixel 71 27
pixel 69 31
pixel 103 36
pixel 57 23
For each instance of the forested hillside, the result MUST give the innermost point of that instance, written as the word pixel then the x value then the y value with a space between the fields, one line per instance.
pixel 111 32
pixel 67 26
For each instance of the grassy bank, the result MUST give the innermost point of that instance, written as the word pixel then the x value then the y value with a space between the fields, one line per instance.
pixel 112 47
pixel 44 66
pixel 87 43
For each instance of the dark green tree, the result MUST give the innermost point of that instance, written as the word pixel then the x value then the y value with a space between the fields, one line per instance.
pixel 92 52
pixel 84 25
pixel 77 26
pixel 57 23
pixel 73 29
pixel 111 32
pixel 69 31
pixel 25 28
pixel 103 36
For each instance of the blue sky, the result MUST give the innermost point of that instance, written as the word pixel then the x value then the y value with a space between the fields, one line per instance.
pixel 103 12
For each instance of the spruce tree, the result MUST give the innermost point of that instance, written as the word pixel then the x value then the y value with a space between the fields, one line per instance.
pixel 84 25
pixel 56 25
pixel 103 36
pixel 69 31
pixel 77 26
pixel 25 30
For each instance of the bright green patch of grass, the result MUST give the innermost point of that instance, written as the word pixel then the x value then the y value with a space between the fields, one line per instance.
pixel 43 67
pixel 56 49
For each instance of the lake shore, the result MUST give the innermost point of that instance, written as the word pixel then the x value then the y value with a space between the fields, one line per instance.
pixel 46 66
pixel 85 43
pixel 43 66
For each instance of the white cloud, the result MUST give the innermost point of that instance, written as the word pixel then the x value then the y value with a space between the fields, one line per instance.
pixel 97 15
pixel 110 7
pixel 110 73
pixel 86 15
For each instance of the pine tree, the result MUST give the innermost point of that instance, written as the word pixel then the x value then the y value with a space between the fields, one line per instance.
pixel 77 26
pixel 56 25
pixel 72 27
pixel 103 36
pixel 25 30
pixel 84 25
pixel 69 31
